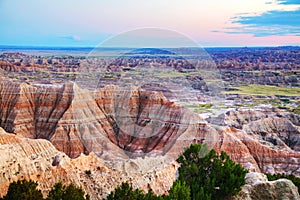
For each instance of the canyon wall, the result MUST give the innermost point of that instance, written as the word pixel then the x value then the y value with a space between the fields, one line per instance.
pixel 56 133
pixel 40 161
pixel 115 123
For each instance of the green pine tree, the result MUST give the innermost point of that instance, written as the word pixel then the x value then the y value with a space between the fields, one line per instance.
pixel 23 189
pixel 209 175
pixel 56 193
pixel 180 190
pixel 60 192
pixel 125 191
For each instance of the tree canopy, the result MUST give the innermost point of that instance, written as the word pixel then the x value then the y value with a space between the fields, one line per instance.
pixel 125 191
pixel 209 175
pixel 179 190
pixel 23 189
pixel 27 190
pixel 60 192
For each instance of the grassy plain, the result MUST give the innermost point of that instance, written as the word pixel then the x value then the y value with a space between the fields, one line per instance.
pixel 264 90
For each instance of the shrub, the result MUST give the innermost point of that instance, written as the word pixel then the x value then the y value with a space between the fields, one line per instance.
pixel 23 189
pixel 73 192
pixel 60 192
pixel 27 190
pixel 179 190
pixel 211 176
pixel 125 191
pixel 56 193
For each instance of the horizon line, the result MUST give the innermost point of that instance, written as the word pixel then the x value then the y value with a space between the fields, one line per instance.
pixel 85 47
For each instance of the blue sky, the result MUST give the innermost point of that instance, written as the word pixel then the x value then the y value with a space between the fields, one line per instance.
pixel 209 23
pixel 289 2
pixel 273 22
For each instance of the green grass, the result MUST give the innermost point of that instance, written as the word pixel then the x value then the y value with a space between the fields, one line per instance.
pixel 264 90
pixel 200 108
pixel 206 106
pixel 210 76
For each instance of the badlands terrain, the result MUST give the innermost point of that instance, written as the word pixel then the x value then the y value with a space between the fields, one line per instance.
pixel 128 117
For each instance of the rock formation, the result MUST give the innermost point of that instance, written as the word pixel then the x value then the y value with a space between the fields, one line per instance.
pixel 79 121
pixel 265 140
pixel 115 123
pixel 39 160
pixel 272 127
pixel 258 187
pixel 256 156
pixel 53 133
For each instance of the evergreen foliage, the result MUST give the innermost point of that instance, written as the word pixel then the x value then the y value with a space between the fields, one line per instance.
pixel 27 190
pixel 210 176
pixel 125 191
pixel 180 190
pixel 23 189
pixel 60 192
pixel 56 193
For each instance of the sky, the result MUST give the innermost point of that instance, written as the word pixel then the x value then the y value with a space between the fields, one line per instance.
pixel 212 23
